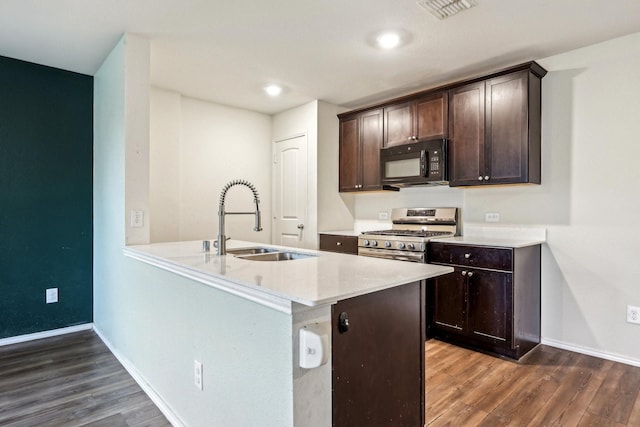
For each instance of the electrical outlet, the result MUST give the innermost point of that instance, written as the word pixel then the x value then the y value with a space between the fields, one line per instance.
pixel 383 215
pixel 492 217
pixel 51 295
pixel 197 374
pixel 633 314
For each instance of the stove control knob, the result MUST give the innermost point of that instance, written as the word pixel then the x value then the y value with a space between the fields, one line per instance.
pixel 400 245
pixel 387 244
pixel 412 246
pixel 374 243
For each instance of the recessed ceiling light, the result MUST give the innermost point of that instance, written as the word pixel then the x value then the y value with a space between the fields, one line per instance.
pixel 388 40
pixel 273 90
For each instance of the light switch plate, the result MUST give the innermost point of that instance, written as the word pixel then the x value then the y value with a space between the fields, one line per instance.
pixel 137 218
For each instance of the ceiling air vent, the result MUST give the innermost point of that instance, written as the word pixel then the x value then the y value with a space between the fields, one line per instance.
pixel 442 9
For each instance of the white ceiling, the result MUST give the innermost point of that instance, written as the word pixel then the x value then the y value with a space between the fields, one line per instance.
pixel 226 50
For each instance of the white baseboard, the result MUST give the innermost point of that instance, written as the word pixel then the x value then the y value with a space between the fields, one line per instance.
pixel 135 374
pixel 45 334
pixel 591 352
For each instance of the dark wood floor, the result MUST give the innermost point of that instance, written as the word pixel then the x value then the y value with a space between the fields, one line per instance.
pixel 70 380
pixel 548 387
pixel 74 380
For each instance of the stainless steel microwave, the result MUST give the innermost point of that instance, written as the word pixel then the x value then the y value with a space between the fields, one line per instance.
pixel 419 163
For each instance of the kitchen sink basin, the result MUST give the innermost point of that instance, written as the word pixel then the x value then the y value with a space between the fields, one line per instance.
pixel 275 256
pixel 250 251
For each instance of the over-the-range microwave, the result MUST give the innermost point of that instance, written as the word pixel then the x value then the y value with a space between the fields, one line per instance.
pixel 418 163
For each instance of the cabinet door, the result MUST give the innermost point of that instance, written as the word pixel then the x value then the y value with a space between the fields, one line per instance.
pixel 349 169
pixel 370 144
pixel 490 306
pixel 449 302
pixel 431 114
pixel 507 143
pixel 398 124
pixel 466 134
pixel 378 363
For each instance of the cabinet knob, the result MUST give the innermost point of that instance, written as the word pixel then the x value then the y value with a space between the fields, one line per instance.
pixel 464 272
pixel 467 256
pixel 470 273
pixel 486 177
pixel 480 178
pixel 300 226
pixel 338 243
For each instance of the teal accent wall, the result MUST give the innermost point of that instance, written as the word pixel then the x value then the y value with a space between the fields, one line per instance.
pixel 46 161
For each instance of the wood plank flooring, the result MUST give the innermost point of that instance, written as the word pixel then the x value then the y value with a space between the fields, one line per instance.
pixel 73 380
pixel 548 387
pixel 70 380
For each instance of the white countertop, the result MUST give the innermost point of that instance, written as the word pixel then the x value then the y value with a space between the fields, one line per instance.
pixel 511 236
pixel 323 279
pixel 340 232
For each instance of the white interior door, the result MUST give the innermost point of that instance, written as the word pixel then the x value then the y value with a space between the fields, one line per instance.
pixel 290 192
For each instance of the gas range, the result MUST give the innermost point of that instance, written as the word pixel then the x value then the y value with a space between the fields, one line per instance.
pixel 411 230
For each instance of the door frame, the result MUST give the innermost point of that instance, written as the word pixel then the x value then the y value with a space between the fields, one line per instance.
pixel 310 229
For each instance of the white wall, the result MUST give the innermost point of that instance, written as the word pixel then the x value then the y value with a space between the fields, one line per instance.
pixel 336 211
pixel 196 148
pixel 326 208
pixel 157 322
pixel 588 200
pixel 303 120
pixel 165 165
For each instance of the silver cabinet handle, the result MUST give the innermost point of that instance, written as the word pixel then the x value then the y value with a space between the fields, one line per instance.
pixel 467 256
pixel 480 178
pixel 300 226
pixel 338 243
pixel 470 273
pixel 464 272
pixel 486 177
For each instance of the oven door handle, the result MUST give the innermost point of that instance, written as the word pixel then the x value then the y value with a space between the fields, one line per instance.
pixel 423 163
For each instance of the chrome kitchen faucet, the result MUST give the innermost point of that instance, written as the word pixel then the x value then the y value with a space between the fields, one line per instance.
pixel 221 243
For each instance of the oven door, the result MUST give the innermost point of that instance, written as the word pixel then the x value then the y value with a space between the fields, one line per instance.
pixel 393 254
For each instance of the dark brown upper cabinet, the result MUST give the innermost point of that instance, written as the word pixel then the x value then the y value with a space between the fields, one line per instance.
pixel 494 129
pixel 410 121
pixel 360 143
pixel 492 123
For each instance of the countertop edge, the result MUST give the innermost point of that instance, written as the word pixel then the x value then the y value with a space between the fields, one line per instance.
pixel 257 296
pixel 488 241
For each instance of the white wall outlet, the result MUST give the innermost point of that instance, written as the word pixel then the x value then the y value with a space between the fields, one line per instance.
pixel 137 219
pixel 383 215
pixel 51 295
pixel 197 374
pixel 633 314
pixel 491 217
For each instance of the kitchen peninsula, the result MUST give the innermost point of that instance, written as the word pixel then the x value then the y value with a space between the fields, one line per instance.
pixel 368 312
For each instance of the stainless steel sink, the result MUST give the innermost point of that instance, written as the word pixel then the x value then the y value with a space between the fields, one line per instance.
pixel 250 251
pixel 275 256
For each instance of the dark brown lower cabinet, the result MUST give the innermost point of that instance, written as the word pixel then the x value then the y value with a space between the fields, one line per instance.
pixel 378 358
pixel 339 243
pixel 491 301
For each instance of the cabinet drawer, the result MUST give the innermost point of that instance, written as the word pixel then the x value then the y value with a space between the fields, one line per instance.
pixel 471 256
pixel 336 243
